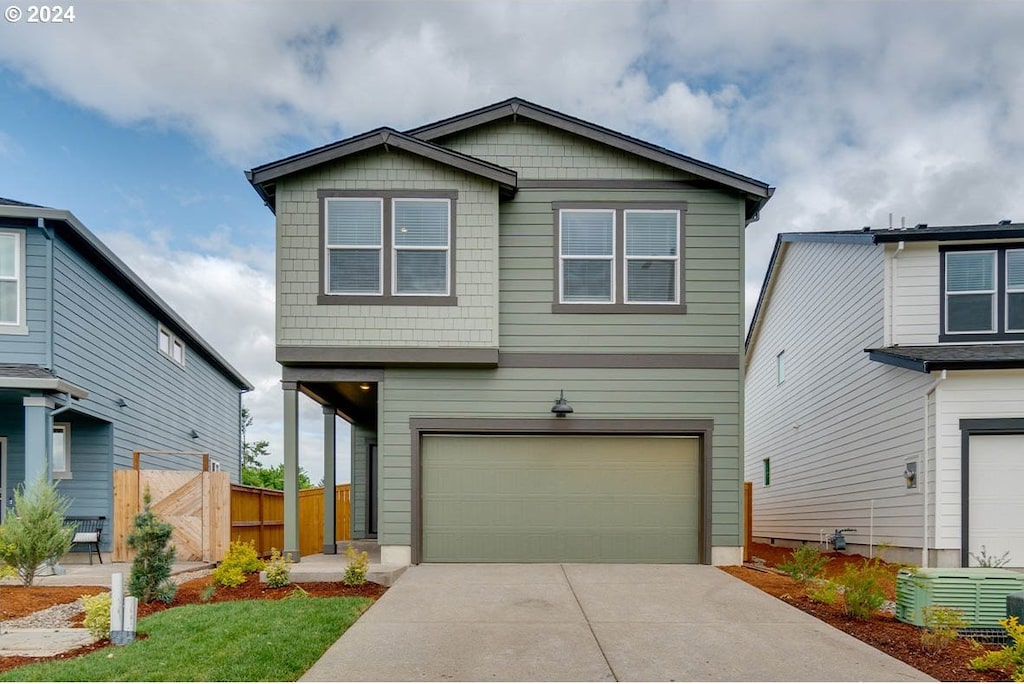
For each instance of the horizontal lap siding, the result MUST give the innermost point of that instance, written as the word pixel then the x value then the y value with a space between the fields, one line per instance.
pixel 361 439
pixel 712 280
pixel 12 426
pixel 90 486
pixel 301 321
pixel 106 343
pixel 967 394
pixel 915 294
pixel 840 428
pixel 30 348
pixel 530 393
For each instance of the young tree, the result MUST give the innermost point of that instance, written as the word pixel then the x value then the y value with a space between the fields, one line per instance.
pixel 252 451
pixel 35 531
pixel 150 538
pixel 254 473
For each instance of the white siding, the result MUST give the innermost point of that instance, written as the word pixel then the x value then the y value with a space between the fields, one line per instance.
pixel 840 428
pixel 968 394
pixel 914 275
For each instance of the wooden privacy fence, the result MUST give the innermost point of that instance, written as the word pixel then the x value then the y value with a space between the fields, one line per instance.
pixel 257 516
pixel 196 504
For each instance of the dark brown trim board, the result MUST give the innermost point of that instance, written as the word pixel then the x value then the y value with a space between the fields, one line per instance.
pixel 380 356
pixel 527 360
pixel 968 428
pixel 331 374
pixel 418 427
pixel 615 184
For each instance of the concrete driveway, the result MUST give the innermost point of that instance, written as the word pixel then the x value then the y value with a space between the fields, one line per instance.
pixel 593 623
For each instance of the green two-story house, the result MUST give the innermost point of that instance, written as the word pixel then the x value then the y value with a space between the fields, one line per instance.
pixel 534 325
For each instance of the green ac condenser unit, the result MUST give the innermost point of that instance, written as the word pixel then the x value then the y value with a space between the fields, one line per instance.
pixel 979 592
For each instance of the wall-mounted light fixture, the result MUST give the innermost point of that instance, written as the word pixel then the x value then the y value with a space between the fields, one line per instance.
pixel 561 407
pixel 121 403
pixel 910 475
pixel 193 434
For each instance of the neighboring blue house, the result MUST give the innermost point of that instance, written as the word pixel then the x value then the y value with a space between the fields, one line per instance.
pixel 94 365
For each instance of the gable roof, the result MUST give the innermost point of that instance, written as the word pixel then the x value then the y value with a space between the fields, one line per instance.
pixel 100 255
pixel 757 192
pixel 29 377
pixel 1004 230
pixel 264 178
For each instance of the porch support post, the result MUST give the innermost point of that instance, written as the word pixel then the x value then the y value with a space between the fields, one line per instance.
pixel 291 470
pixel 330 531
pixel 38 437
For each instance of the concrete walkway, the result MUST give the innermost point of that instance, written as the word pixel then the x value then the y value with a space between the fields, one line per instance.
pixel 593 623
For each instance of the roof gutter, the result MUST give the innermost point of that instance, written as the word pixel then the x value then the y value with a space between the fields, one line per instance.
pixel 55 385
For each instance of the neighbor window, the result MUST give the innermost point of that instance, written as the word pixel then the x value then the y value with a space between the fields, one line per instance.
pixel 780 368
pixel 60 463
pixel 982 294
pixel 387 247
pixel 170 346
pixel 618 256
pixel 12 276
pixel 767 464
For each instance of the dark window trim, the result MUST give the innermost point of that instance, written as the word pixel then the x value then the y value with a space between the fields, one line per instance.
pixel 1000 249
pixel 619 305
pixel 703 429
pixel 388 299
pixel 968 428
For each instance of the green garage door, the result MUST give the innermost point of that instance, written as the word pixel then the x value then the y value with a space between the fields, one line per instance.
pixel 590 499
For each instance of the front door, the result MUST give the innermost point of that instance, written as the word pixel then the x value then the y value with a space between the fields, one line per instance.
pixel 371 493
pixel 3 478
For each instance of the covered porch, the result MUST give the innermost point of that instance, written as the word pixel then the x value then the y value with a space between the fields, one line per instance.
pixel 353 395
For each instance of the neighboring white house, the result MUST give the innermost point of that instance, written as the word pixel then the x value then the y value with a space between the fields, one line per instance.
pixel 885 392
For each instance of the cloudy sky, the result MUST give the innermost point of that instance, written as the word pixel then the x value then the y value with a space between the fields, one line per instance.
pixel 140 118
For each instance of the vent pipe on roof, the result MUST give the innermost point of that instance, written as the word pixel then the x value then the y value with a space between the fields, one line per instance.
pixel 920 226
pixel 1005 222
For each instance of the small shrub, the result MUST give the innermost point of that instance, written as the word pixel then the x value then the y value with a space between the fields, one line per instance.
pixel 240 559
pixel 862 588
pixel 824 592
pixel 940 627
pixel 804 564
pixel 35 531
pixel 298 593
pixel 1010 658
pixel 358 565
pixel 150 538
pixel 97 615
pixel 207 592
pixel 986 561
pixel 279 572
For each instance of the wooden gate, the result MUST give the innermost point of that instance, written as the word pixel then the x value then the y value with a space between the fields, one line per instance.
pixel 197 504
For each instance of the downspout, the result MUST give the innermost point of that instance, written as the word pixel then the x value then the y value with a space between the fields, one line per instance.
pixel 67 405
pixel 48 234
pixel 924 467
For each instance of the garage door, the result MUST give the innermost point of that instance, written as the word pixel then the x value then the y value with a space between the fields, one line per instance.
pixel 996 502
pixel 560 499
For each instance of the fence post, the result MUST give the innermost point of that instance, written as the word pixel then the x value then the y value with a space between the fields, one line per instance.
pixel 261 538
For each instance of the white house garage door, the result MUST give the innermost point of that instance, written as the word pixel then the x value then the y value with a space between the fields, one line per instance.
pixel 566 498
pixel 997 496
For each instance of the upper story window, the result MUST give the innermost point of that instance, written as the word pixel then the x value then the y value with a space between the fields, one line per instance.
pixel 170 346
pixel 982 293
pixel 12 282
pixel 619 257
pixel 387 247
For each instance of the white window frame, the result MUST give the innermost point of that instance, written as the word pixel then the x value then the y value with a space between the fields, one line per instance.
pixel 627 258
pixel 780 367
pixel 173 342
pixel 395 248
pixel 1007 292
pixel 328 247
pixel 611 259
pixel 19 326
pixel 994 292
pixel 64 429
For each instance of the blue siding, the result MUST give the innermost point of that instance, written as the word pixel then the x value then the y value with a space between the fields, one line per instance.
pixel 12 426
pixel 31 348
pixel 106 343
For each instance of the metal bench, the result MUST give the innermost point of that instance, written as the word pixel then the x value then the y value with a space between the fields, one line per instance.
pixel 88 531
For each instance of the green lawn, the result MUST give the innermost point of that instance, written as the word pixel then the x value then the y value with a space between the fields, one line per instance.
pixel 233 641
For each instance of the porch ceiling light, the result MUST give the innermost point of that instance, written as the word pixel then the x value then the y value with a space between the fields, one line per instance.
pixel 561 407
pixel 365 386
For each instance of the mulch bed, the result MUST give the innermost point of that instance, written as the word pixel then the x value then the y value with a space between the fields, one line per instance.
pixel 900 640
